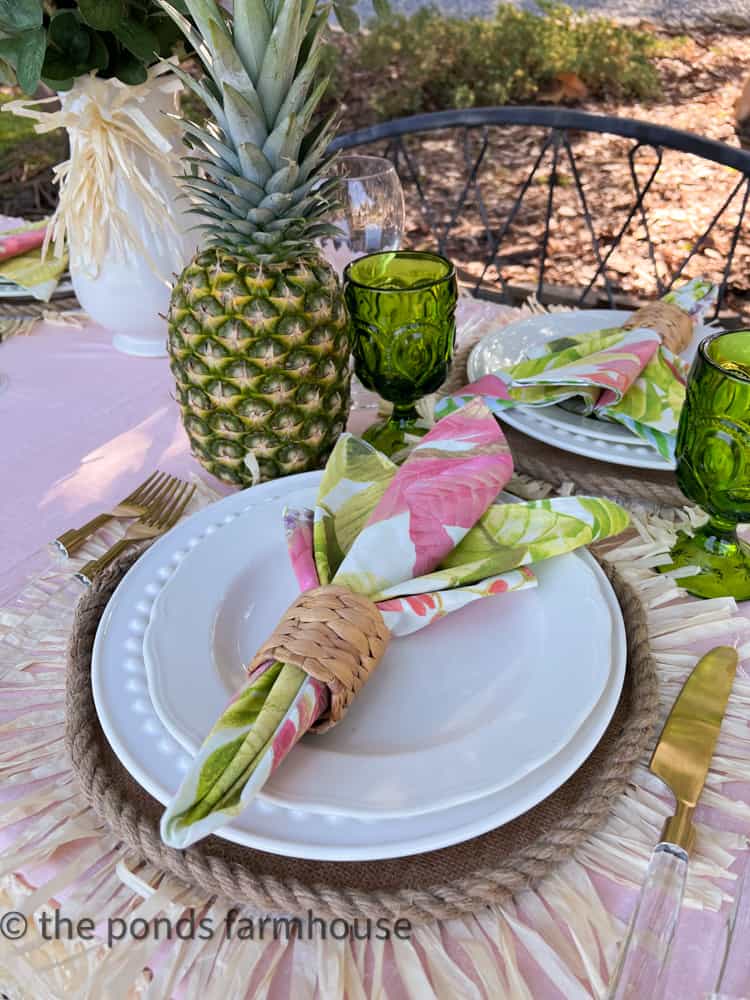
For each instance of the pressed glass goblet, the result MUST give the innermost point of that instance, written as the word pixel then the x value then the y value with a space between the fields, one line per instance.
pixel 713 466
pixel 403 312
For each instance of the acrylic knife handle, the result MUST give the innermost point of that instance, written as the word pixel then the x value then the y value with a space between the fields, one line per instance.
pixel 644 952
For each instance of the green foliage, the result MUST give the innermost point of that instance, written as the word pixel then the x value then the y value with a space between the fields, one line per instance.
pixel 58 40
pixel 382 8
pixel 23 53
pixel 24 153
pixel 22 40
pixel 19 16
pixel 428 62
pixel 55 41
pixel 13 131
pixel 346 14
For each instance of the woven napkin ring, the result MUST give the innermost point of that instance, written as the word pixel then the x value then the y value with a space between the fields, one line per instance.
pixel 673 325
pixel 334 635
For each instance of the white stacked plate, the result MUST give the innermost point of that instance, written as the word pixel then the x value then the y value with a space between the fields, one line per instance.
pixel 9 290
pixel 464 726
pixel 554 425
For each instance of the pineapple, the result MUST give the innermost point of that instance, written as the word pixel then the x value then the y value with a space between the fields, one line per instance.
pixel 259 339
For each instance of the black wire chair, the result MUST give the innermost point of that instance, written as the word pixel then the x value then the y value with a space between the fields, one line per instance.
pixel 478 180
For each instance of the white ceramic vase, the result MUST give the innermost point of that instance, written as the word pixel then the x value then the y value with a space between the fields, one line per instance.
pixel 125 287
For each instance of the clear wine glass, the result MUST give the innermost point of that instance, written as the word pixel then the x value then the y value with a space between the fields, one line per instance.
pixel 370 216
pixel 371 209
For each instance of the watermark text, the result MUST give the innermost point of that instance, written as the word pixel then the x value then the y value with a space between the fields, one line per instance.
pixel 55 926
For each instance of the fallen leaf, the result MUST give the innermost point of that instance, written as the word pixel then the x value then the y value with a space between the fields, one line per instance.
pixel 565 88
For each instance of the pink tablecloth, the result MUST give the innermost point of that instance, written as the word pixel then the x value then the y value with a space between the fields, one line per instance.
pixel 81 426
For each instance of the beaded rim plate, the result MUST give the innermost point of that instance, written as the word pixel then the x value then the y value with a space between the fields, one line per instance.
pixel 133 729
pixel 477 702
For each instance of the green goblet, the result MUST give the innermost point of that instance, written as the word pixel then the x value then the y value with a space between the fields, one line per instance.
pixel 713 466
pixel 402 306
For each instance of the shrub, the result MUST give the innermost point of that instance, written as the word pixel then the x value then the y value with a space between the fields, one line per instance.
pixel 429 62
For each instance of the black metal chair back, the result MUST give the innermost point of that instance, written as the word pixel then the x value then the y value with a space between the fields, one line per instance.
pixel 467 174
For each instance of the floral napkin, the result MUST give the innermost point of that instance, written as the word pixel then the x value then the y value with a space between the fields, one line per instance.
pixel 28 270
pixel 421 540
pixel 627 376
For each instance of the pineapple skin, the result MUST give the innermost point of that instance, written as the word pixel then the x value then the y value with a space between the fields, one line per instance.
pixel 260 354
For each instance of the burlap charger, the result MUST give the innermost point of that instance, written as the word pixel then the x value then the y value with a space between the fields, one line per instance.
pixel 439 884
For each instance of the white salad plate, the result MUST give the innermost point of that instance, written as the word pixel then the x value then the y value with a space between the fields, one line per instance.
pixel 554 425
pixel 456 711
pixel 159 763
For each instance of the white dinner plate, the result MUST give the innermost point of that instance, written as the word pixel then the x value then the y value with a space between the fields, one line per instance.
pixel 589 426
pixel 582 435
pixel 531 421
pixel 456 711
pixel 10 290
pixel 158 763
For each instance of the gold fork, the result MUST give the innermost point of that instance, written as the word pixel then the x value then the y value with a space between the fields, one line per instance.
pixel 160 518
pixel 135 504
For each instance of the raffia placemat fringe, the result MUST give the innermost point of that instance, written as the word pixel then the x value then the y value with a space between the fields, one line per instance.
pixel 567 922
pixel 435 885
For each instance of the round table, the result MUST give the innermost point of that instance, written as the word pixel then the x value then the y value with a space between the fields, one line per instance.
pixel 82 425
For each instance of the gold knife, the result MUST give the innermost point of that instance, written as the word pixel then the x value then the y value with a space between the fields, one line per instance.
pixel 681 759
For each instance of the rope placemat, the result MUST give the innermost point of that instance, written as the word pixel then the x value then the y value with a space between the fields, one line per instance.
pixel 439 884
pixel 560 469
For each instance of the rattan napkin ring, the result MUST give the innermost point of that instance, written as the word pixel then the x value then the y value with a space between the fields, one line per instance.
pixel 673 325
pixel 334 635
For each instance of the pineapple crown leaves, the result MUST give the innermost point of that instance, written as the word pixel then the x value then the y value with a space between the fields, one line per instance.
pixel 257 174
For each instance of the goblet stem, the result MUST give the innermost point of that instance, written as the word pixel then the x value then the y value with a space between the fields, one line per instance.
pixel 722 563
pixel 404 414
pixel 391 436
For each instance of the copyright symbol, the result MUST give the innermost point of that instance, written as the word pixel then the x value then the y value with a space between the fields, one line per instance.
pixel 13 925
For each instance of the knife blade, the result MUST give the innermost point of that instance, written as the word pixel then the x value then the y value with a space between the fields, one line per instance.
pixel 681 760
